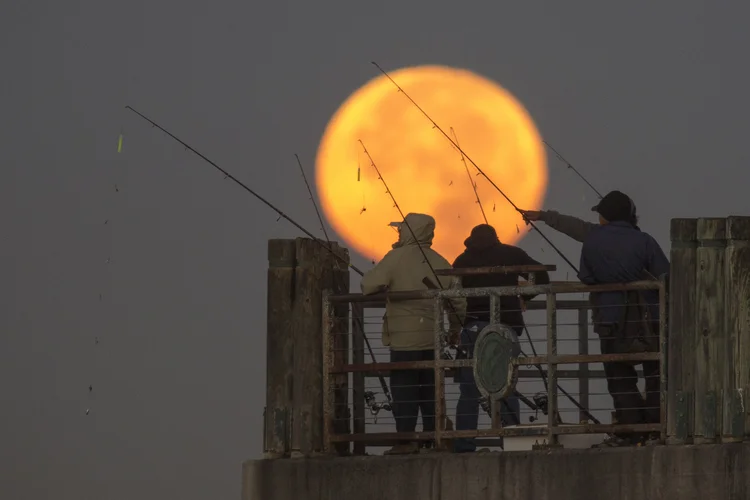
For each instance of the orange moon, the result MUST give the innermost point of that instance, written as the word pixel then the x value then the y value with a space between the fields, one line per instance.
pixel 422 168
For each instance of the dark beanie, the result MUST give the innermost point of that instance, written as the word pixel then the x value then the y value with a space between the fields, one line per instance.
pixel 482 236
pixel 616 206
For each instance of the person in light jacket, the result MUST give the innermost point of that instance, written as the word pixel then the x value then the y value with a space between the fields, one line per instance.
pixel 408 326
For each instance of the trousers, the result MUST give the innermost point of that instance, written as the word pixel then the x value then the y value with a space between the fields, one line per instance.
pixel 413 391
pixel 622 384
pixel 467 409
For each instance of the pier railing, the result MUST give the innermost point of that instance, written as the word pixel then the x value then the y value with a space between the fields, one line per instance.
pixel 346 400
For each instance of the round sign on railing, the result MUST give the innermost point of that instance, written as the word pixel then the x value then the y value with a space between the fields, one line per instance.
pixel 494 371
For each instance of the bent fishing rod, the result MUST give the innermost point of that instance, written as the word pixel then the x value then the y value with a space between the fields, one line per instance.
pixel 483 401
pixel 525 328
pixel 227 175
pixel 383 385
pixel 244 186
pixel 481 172
pixel 570 166
pixel 471 180
pixel 426 281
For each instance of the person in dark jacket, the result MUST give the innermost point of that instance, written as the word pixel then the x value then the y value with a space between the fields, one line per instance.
pixel 616 251
pixel 484 249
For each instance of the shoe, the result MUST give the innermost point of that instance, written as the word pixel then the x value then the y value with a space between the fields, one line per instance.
pixel 404 449
pixel 614 442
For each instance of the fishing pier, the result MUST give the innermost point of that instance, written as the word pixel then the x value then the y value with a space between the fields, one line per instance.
pixel 328 416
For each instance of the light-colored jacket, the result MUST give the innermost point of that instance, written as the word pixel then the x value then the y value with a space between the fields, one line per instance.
pixel 410 325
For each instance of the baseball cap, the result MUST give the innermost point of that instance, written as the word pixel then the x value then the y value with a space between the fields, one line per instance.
pixel 615 206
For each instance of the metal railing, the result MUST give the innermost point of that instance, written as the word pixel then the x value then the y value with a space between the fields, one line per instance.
pixel 337 367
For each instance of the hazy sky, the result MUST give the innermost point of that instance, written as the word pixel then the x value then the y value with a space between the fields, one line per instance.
pixel 648 97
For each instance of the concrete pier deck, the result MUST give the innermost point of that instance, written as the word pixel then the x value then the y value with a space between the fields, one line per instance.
pixel 706 472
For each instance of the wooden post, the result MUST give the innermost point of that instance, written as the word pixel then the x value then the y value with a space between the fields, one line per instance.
pixel 317 270
pixel 681 340
pixel 279 347
pixel 737 373
pixel 711 338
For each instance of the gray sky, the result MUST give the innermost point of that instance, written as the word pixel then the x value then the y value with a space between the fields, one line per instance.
pixel 647 97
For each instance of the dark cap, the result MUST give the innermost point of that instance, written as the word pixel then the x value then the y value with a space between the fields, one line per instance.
pixel 615 206
pixel 482 236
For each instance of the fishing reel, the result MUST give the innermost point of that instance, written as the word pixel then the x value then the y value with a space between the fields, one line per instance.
pixel 374 406
pixel 542 404
pixel 485 404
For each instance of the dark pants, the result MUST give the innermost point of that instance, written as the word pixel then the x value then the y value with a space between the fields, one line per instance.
pixel 413 390
pixel 622 382
pixel 467 409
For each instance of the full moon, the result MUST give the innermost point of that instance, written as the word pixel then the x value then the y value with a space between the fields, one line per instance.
pixel 423 170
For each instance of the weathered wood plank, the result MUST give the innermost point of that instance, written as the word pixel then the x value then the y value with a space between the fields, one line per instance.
pixel 711 339
pixel 682 317
pixel 317 270
pixel 737 369
pixel 279 347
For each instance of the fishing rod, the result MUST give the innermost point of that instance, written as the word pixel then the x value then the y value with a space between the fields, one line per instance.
pixel 426 281
pixel 570 166
pixel 244 186
pixel 283 215
pixel 481 172
pixel 483 401
pixel 374 406
pixel 471 179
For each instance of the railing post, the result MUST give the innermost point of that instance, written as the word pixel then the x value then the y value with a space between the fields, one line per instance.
pixel 495 309
pixel 439 373
pixel 358 378
pixel 552 368
pixel 495 405
pixel 583 368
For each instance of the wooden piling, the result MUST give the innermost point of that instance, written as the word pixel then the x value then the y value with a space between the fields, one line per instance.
pixel 317 270
pixel 279 347
pixel 711 334
pixel 737 370
pixel 681 340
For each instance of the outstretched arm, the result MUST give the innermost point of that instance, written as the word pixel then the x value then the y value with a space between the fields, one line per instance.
pixel 571 226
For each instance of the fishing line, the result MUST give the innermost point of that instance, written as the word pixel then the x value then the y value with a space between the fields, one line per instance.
pixel 244 186
pixel 481 172
pixel 428 282
pixel 269 204
pixel 471 179
pixel 570 166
